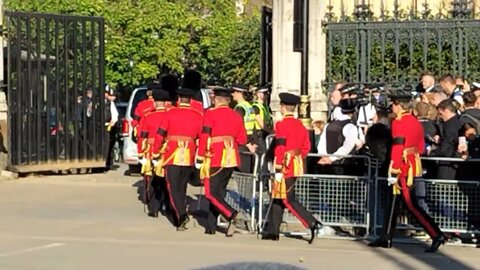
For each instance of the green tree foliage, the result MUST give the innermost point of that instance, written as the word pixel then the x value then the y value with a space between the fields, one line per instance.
pixel 167 35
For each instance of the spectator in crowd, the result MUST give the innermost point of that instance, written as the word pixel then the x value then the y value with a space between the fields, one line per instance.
pixel 470 147
pixel 428 98
pixel 339 138
pixel 449 140
pixel 450 88
pixel 424 114
pixel 428 82
pixel 438 97
pixel 470 110
pixel 462 84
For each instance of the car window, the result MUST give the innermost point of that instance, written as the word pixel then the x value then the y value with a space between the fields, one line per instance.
pixel 140 95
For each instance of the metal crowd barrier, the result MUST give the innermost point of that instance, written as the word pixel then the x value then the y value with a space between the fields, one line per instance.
pixel 335 200
pixel 453 204
pixel 241 194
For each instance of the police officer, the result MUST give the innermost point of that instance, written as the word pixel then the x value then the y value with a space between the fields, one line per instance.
pixel 156 190
pixel 143 107
pixel 263 118
pixel 246 111
pixel 408 143
pixel 223 131
pixel 292 146
pixel 175 143
pixel 339 138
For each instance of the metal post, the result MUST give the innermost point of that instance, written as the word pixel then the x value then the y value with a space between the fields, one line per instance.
pixel 304 108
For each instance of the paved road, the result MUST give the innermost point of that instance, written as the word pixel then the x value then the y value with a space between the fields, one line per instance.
pixel 97 222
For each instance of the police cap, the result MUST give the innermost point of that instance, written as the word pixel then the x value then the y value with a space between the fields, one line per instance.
pixel 239 88
pixel 289 99
pixel 348 105
pixel 475 86
pixel 349 88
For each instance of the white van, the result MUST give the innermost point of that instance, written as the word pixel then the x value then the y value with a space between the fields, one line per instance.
pixel 130 156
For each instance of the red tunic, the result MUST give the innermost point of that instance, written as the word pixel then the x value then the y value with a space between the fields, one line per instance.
pixel 180 129
pixel 408 145
pixel 147 128
pixel 142 108
pixel 223 130
pixel 197 105
pixel 292 146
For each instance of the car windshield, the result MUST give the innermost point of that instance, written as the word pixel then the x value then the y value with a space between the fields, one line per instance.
pixel 140 95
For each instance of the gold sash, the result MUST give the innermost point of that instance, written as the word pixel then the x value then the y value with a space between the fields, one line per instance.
pixel 229 156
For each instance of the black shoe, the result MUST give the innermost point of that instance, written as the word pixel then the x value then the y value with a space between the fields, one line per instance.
pixel 210 231
pixel 183 224
pixel 231 227
pixel 437 242
pixel 381 243
pixel 153 214
pixel 314 231
pixel 270 236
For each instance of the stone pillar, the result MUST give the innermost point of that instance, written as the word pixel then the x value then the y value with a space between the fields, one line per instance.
pixel 287 63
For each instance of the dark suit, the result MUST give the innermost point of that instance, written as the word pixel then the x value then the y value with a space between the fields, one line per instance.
pixel 448 148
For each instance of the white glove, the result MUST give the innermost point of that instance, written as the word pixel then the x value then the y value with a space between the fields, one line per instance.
pixel 155 162
pixel 198 163
pixel 143 161
pixel 278 177
pixel 392 180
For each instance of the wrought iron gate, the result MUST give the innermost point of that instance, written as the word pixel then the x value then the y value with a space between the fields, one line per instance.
pixel 267 49
pixel 396 49
pixel 55 92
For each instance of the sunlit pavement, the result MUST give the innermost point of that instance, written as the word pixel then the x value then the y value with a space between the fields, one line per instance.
pixel 96 222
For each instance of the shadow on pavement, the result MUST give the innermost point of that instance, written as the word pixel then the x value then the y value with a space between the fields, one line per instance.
pixel 415 251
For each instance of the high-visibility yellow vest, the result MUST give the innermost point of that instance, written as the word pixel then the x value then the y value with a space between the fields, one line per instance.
pixel 249 117
pixel 265 114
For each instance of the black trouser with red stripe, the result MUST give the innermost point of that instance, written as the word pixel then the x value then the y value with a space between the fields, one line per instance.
pixel 391 213
pixel 157 194
pixel 177 180
pixel 215 191
pixel 297 209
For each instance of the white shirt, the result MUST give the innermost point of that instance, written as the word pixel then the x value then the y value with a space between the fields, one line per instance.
pixel 114 113
pixel 365 115
pixel 337 114
pixel 349 131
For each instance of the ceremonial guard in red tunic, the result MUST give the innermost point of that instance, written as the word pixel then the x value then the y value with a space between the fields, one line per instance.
pixel 405 166
pixel 292 146
pixel 175 147
pixel 223 131
pixel 154 185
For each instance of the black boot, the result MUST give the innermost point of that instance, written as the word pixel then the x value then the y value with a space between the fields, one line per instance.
pixel 231 227
pixel 314 228
pixel 183 223
pixel 207 231
pixel 437 242
pixel 270 236
pixel 380 242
